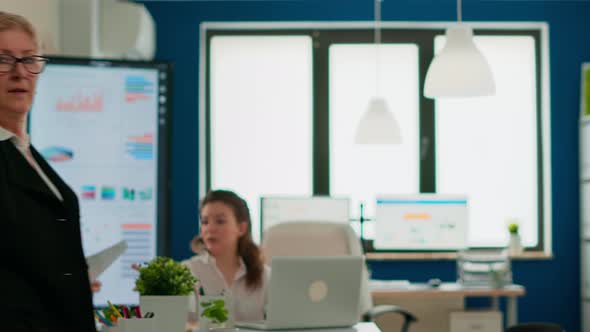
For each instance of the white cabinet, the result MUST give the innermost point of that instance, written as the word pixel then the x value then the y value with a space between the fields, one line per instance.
pixel 585 220
pixel 585 209
pixel 476 321
pixel 586 272
pixel 585 197
pixel 584 148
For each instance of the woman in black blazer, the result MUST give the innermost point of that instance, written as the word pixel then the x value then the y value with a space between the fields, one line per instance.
pixel 44 283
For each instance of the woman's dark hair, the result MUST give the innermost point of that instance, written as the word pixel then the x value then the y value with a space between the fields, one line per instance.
pixel 247 249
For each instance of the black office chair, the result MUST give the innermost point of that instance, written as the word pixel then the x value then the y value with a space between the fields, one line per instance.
pixel 327 239
pixel 535 327
pixel 372 314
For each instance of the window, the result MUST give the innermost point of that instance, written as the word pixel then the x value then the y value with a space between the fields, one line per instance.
pixel 260 124
pixel 280 105
pixel 358 171
pixel 497 165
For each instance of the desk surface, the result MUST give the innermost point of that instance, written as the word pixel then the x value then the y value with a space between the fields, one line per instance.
pixel 446 290
pixel 359 327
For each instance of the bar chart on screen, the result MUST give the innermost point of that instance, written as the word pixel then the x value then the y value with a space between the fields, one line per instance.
pixel 421 222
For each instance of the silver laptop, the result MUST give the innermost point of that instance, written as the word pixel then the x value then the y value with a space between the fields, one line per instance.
pixel 312 292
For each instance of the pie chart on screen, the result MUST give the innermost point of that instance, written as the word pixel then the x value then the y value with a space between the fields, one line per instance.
pixel 57 153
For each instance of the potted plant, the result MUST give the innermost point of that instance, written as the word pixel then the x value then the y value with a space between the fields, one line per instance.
pixel 514 242
pixel 214 310
pixel 165 287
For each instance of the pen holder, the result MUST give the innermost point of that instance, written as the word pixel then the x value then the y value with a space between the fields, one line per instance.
pixel 132 325
pixel 110 329
pixel 170 311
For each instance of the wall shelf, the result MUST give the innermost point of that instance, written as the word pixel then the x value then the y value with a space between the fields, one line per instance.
pixel 410 256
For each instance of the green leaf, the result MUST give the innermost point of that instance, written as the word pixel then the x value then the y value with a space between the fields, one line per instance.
pixel 164 276
pixel 215 310
pixel 513 228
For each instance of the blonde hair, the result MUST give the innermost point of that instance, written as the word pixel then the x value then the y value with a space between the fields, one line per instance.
pixel 10 21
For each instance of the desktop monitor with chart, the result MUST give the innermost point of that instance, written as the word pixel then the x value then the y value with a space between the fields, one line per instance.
pixel 278 209
pixel 421 222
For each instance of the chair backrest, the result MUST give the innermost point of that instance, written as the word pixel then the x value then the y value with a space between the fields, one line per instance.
pixel 306 238
pixel 535 327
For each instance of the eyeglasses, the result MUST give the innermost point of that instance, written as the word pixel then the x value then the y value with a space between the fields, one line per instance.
pixel 34 64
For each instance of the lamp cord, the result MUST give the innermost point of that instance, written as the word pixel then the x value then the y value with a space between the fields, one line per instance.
pixel 459 14
pixel 377 36
pixel 378 21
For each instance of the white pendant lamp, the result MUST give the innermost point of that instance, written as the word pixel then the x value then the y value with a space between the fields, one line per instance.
pixel 378 126
pixel 460 69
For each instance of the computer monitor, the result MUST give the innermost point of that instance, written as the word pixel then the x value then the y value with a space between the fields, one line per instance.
pixel 278 209
pixel 421 222
pixel 103 125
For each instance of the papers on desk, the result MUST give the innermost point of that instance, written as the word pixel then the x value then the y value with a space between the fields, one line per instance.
pixel 100 261
pixel 388 284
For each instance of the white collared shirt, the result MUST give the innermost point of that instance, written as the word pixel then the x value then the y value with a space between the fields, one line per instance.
pixel 23 145
pixel 247 304
pixel 5 134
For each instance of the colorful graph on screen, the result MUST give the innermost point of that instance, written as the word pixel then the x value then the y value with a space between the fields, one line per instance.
pixel 82 101
pixel 88 192
pixel 107 193
pixel 141 147
pixel 138 88
pixel 133 194
pixel 139 239
pixel 57 153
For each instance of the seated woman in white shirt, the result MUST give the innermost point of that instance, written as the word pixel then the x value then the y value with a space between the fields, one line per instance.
pixel 230 262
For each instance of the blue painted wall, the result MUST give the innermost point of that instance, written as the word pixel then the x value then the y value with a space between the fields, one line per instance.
pixel 553 286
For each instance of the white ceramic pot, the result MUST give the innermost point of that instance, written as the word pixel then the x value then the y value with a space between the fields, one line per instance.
pixel 514 245
pixel 170 312
pixel 221 328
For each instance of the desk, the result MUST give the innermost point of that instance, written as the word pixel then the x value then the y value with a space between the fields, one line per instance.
pixel 449 293
pixel 359 327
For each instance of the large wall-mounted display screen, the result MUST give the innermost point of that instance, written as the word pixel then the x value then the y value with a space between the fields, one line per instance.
pixel 103 126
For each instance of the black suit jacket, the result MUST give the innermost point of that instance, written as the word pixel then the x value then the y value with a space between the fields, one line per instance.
pixel 44 284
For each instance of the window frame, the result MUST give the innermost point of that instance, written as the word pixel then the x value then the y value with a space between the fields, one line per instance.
pixel 324 34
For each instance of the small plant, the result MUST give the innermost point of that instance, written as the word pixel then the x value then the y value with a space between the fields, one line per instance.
pixel 215 311
pixel 513 228
pixel 164 276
